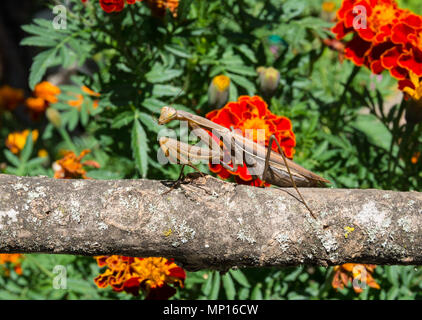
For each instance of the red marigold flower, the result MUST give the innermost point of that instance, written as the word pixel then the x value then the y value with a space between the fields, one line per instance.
pixel 112 5
pixel 251 113
pixel 391 40
pixel 152 275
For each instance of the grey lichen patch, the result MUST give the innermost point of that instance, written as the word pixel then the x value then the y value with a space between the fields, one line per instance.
pixel 283 240
pixel 250 192
pixel 183 232
pixel 8 217
pixel 407 224
pixel 102 226
pixel 36 194
pixel 244 232
pixel 245 235
pixel 59 216
pixel 20 186
pixel 74 208
pixel 78 184
pixel 375 222
pixel 277 205
pixel 328 242
pixel 411 203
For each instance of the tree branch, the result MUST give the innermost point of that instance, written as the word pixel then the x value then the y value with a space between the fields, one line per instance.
pixel 209 224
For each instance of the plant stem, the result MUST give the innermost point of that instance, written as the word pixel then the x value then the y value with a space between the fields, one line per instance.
pixel 41 267
pixel 66 138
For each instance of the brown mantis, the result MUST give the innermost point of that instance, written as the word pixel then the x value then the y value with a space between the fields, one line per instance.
pixel 271 167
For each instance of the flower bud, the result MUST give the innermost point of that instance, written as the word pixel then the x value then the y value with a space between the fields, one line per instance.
pixel 218 91
pixel 328 12
pixel 54 117
pixel 268 78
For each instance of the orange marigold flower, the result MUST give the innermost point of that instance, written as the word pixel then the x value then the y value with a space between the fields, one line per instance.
pixel 249 114
pixel 159 7
pixel 14 259
pixel 80 98
pixel 152 275
pixel 42 153
pixel 415 157
pixel 10 97
pixel 16 141
pixel 70 166
pixel 347 272
pixel 44 94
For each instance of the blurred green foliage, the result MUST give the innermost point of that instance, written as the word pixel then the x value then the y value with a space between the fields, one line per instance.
pixel 347 122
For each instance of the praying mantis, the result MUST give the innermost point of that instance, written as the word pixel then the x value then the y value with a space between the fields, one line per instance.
pixel 269 166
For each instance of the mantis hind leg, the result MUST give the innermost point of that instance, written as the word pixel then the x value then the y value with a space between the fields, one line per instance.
pixel 267 159
pixel 182 177
pixel 178 181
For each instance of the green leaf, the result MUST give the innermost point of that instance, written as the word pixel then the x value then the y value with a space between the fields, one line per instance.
pixel 215 286
pixel 376 132
pixel 160 90
pixel 233 93
pixel 178 51
pixel 393 275
pixel 35 162
pixel 159 74
pixel 243 70
pixel 84 112
pixel 153 105
pixel 39 66
pixel 149 122
pixel 11 158
pixel 243 82
pixel 257 293
pixel 67 57
pixel 207 286
pixel 392 293
pixel 44 31
pixel 27 149
pixel 38 41
pixel 140 148
pixel 243 48
pixel 122 119
pixel 73 119
pixel 229 286
pixel 243 293
pixel 240 278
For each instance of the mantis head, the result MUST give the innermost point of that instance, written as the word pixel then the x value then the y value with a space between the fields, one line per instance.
pixel 167 114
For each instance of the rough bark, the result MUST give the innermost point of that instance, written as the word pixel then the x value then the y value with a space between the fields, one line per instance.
pixel 206 223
